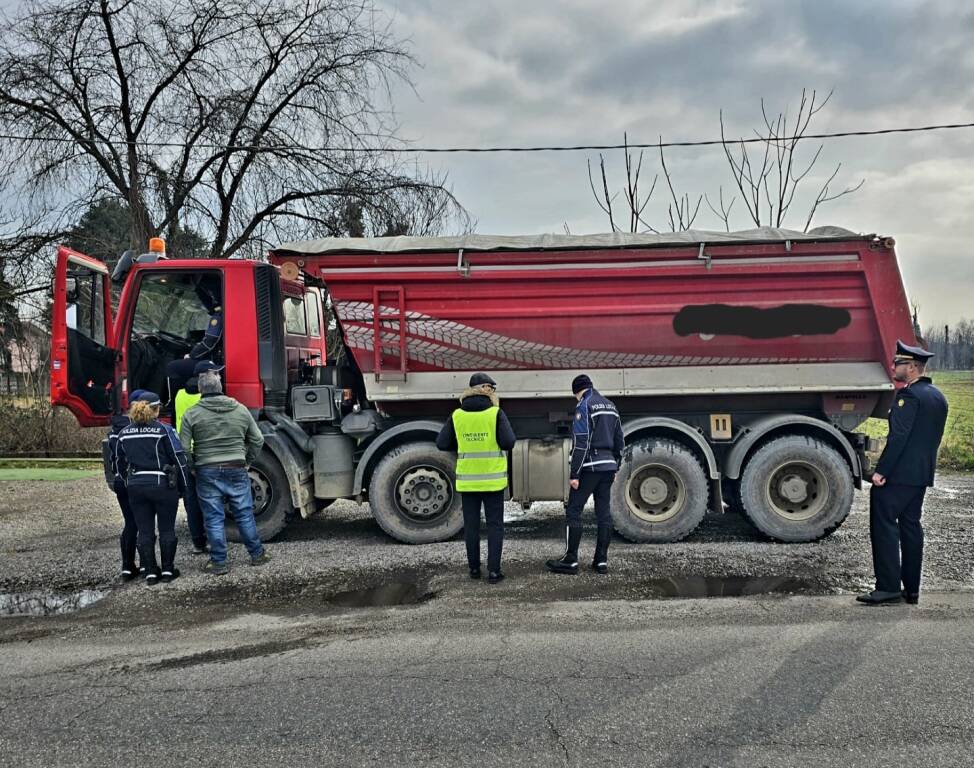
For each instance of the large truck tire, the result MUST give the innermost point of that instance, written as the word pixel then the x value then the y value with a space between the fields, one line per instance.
pixel 412 495
pixel 796 488
pixel 730 490
pixel 660 492
pixel 272 498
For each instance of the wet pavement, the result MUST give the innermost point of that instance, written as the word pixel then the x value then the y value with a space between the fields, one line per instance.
pixel 62 559
pixel 47 603
pixel 350 649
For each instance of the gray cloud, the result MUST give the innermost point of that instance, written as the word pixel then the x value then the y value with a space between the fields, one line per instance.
pixel 572 71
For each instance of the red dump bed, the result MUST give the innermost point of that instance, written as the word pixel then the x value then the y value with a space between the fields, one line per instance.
pixel 611 301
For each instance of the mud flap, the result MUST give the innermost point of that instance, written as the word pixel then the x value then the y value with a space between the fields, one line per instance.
pixel 297 467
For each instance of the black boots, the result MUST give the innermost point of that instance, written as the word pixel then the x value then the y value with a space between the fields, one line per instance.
pixel 568 563
pixel 167 551
pixel 127 545
pixel 600 563
pixel 147 558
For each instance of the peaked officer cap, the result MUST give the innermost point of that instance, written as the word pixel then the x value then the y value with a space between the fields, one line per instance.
pixel 905 354
pixel 148 397
pixel 206 365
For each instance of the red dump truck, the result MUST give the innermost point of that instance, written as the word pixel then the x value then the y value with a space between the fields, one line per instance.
pixel 740 362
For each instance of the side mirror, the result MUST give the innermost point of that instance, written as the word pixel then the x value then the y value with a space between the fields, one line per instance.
pixel 123 266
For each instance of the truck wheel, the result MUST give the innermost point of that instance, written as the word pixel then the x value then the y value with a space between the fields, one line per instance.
pixel 660 492
pixel 272 498
pixel 730 490
pixel 796 488
pixel 412 496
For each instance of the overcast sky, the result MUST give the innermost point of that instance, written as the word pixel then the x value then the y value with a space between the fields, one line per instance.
pixel 513 72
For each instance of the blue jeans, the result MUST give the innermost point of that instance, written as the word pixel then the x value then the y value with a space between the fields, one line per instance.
pixel 214 486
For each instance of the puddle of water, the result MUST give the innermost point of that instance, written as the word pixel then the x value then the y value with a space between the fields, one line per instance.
pixel 730 586
pixel 46 603
pixel 391 593
pixel 686 587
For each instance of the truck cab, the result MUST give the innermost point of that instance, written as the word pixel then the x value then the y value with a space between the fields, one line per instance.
pixel 271 330
pixel 272 339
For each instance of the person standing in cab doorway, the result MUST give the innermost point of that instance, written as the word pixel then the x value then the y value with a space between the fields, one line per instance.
pixel 185 399
pixel 152 460
pixel 903 473
pixel 481 435
pixel 130 530
pixel 597 446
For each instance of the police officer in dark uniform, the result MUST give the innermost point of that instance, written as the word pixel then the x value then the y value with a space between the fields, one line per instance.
pixel 904 472
pixel 128 537
pixel 152 460
pixel 597 446
pixel 178 372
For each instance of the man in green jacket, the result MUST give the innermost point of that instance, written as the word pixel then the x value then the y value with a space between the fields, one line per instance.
pixel 222 440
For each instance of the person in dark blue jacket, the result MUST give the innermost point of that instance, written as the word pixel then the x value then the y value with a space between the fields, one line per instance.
pixel 597 446
pixel 152 461
pixel 903 473
pixel 130 531
pixel 178 372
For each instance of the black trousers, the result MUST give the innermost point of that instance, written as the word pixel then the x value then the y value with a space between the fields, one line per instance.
pixel 130 530
pixel 152 505
pixel 895 531
pixel 598 484
pixel 493 504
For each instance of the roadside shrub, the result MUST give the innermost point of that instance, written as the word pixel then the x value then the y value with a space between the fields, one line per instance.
pixel 29 426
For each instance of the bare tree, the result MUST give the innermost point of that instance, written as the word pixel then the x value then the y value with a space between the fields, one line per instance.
pixel 635 201
pixel 248 121
pixel 769 178
pixel 767 175
pixel 725 210
pixel 678 211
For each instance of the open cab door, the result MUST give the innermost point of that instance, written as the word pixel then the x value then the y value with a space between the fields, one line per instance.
pixel 82 355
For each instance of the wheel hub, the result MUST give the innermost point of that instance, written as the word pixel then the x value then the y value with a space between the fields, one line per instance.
pixel 260 487
pixel 655 493
pixel 653 490
pixel 794 488
pixel 423 493
pixel 797 490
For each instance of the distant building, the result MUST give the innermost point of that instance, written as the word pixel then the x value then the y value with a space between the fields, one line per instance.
pixel 25 352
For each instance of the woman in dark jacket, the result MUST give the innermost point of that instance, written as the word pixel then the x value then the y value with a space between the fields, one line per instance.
pixel 481 434
pixel 127 539
pixel 152 461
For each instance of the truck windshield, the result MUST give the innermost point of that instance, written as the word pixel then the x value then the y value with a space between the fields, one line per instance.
pixel 172 313
pixel 169 303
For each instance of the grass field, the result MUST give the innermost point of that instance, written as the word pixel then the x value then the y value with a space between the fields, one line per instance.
pixel 48 469
pixel 957 449
pixel 45 473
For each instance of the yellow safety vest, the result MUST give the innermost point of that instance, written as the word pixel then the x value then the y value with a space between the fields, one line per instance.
pixel 481 464
pixel 184 401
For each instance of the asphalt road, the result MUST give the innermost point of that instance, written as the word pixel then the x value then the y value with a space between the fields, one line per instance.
pixel 472 679
pixel 350 649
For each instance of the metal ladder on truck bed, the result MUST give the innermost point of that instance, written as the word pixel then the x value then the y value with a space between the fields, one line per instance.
pixel 389 319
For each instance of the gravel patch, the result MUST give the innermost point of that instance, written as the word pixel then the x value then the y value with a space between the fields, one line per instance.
pixel 62 537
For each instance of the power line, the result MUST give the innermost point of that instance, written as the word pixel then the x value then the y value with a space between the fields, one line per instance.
pixel 474 150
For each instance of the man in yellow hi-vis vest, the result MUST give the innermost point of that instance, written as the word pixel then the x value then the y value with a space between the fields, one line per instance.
pixel 481 434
